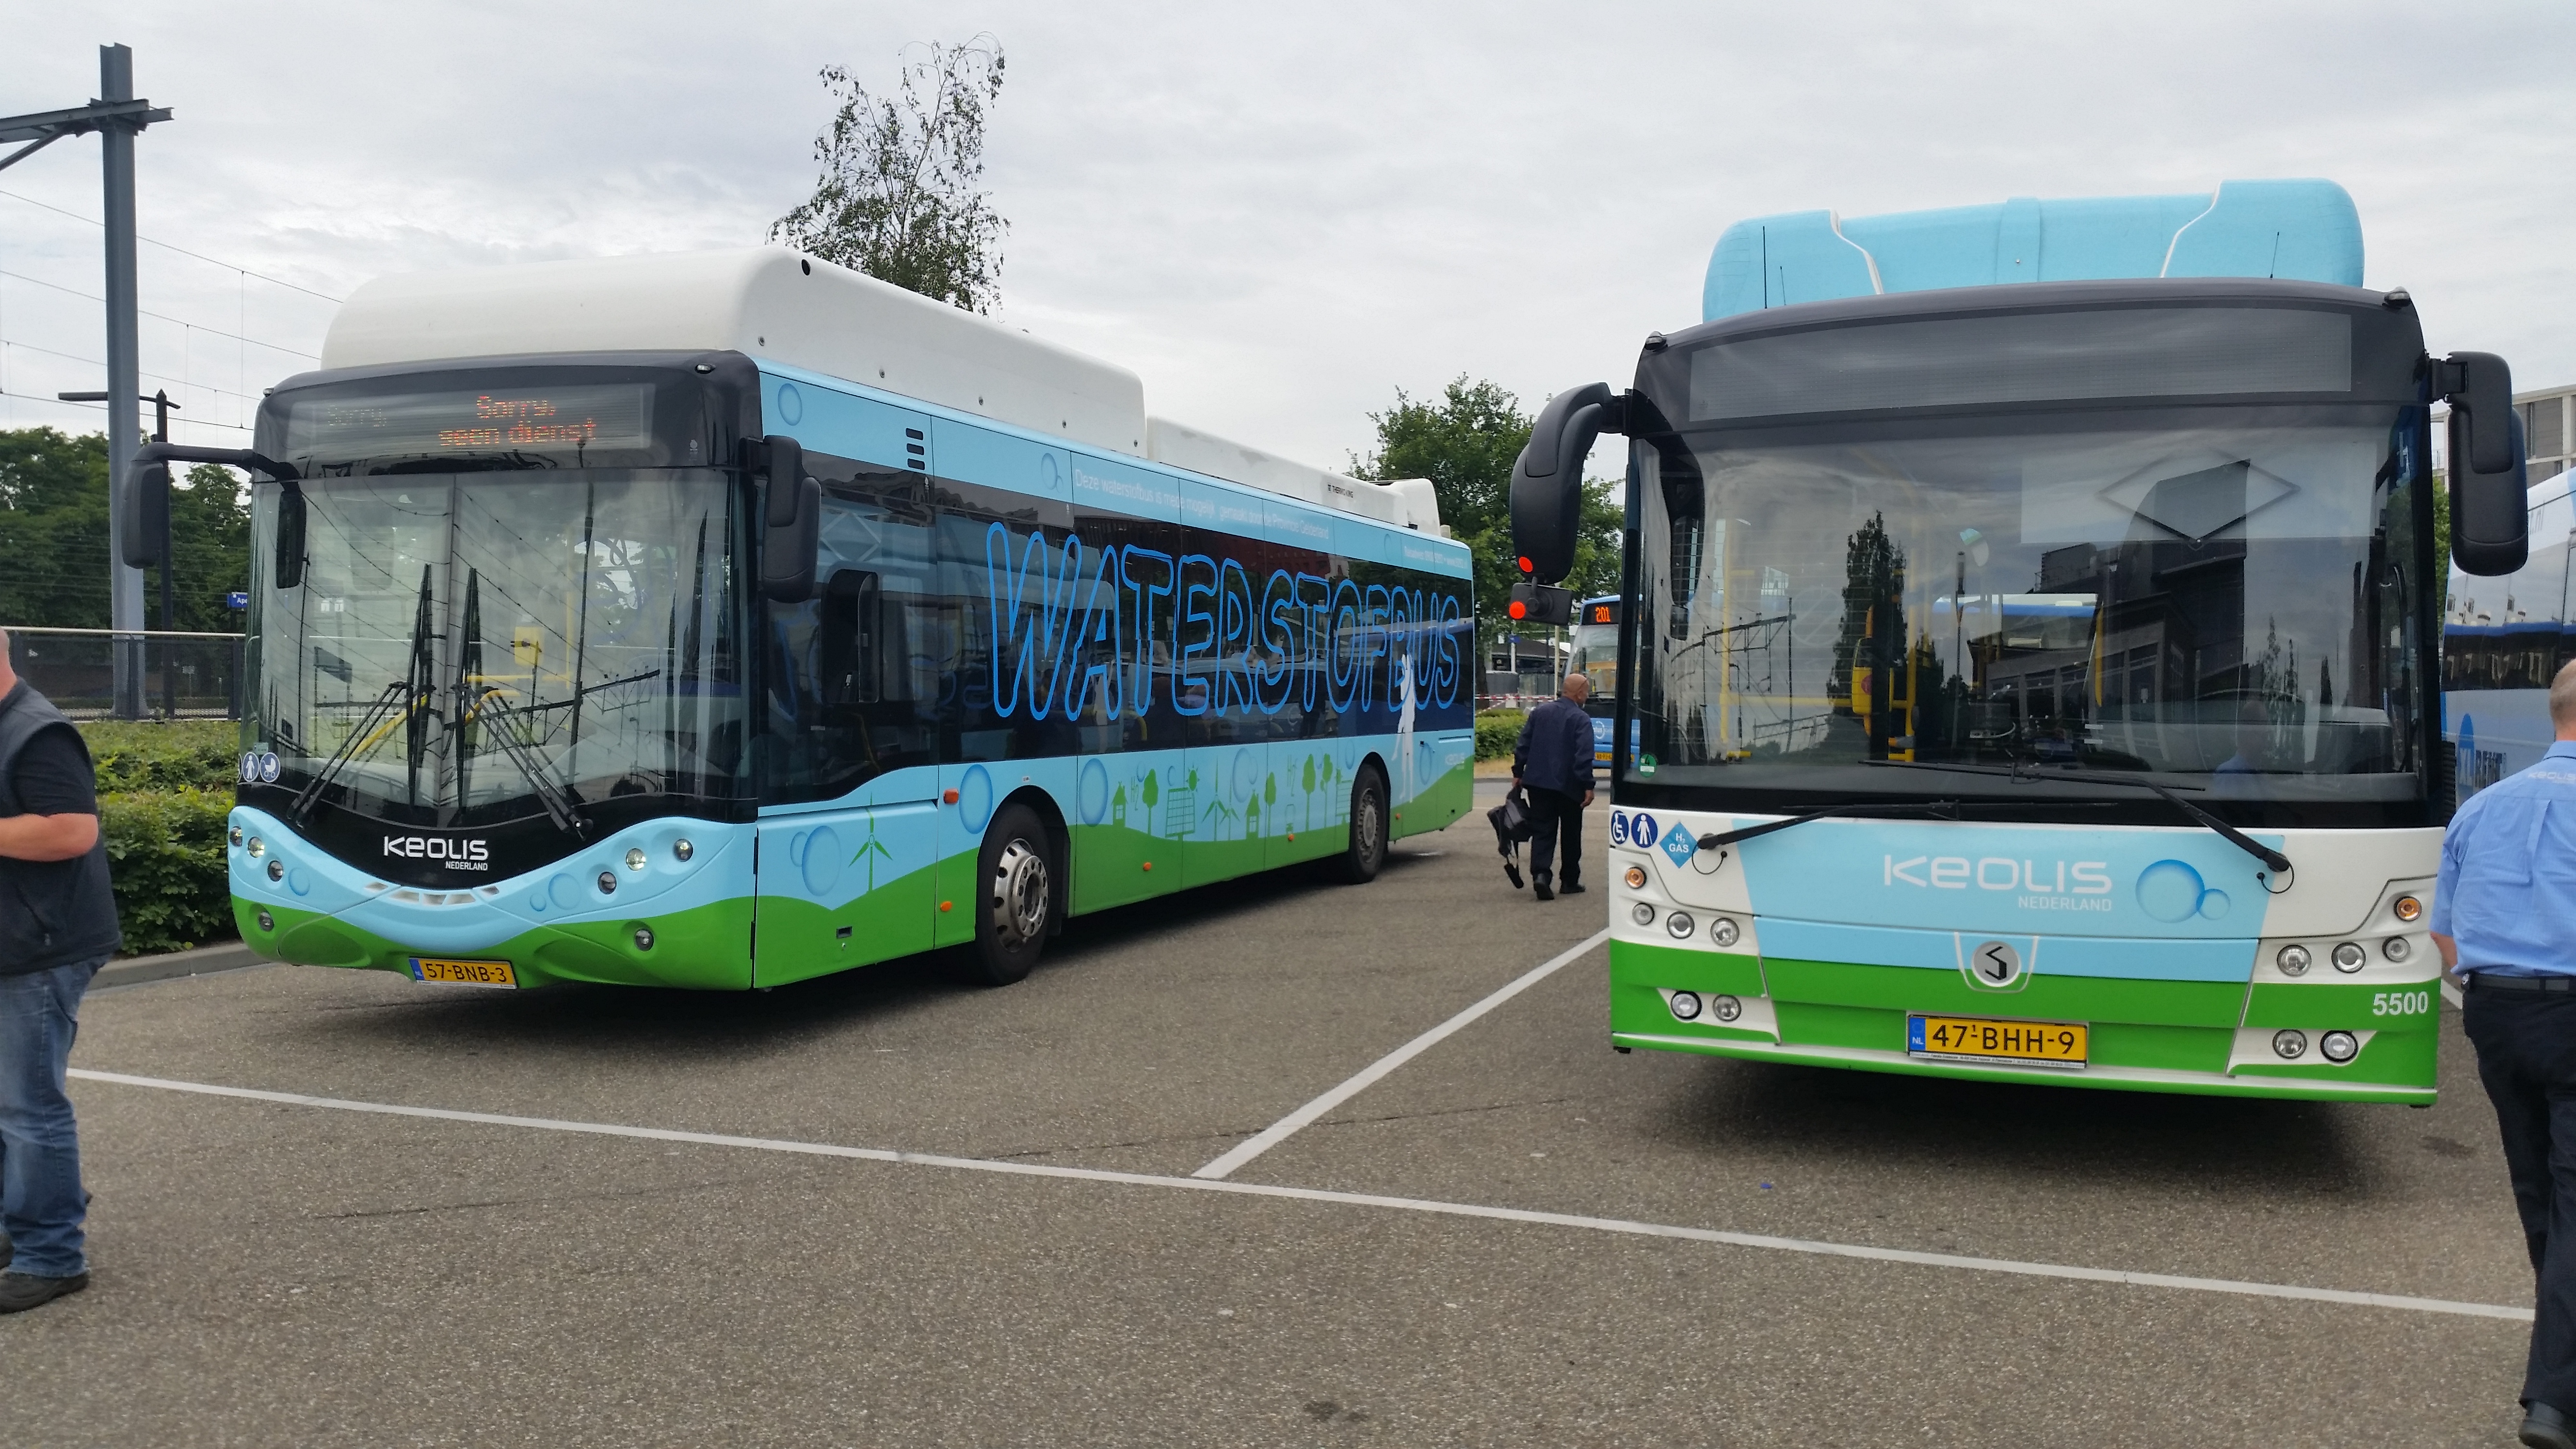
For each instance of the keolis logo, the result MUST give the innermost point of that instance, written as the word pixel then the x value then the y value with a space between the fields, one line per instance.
pixel 2058 885
pixel 459 854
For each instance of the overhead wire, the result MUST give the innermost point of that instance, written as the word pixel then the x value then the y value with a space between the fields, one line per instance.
pixel 183 251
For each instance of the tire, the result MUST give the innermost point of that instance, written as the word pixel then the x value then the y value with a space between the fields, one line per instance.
pixel 1018 895
pixel 1365 855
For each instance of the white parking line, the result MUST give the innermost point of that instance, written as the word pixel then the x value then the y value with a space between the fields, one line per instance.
pixel 1288 1126
pixel 1360 1199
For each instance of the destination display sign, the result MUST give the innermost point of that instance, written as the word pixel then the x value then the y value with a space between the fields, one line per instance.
pixel 543 419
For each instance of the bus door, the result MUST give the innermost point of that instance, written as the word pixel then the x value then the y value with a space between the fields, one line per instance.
pixel 1131 805
pixel 1214 684
pixel 848 757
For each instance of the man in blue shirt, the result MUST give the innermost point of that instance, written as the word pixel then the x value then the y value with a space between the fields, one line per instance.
pixel 1554 762
pixel 2504 917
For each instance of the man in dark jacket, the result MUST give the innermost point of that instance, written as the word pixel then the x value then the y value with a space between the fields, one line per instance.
pixel 1554 763
pixel 57 927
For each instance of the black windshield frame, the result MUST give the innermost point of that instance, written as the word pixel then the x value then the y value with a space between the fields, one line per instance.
pixel 2387 387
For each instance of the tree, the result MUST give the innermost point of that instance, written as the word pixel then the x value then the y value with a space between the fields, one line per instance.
pixel 1466 443
pixel 901 196
pixel 54 539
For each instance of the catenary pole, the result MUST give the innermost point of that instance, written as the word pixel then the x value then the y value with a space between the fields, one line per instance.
pixel 124 381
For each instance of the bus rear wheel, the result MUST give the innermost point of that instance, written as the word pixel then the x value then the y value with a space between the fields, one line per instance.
pixel 1015 897
pixel 1360 860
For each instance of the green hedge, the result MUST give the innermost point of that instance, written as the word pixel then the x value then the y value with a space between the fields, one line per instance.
pixel 165 851
pixel 188 754
pixel 163 793
pixel 1497 732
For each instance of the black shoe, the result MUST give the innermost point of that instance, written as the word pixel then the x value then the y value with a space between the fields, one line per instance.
pixel 22 1291
pixel 1512 868
pixel 2545 1428
pixel 1539 889
pixel 1570 888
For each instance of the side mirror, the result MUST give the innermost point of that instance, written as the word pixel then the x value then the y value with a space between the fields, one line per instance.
pixel 793 521
pixel 2490 490
pixel 1539 604
pixel 143 514
pixel 1547 479
pixel 288 546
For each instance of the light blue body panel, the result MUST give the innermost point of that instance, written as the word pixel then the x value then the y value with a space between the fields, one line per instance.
pixel 2132 903
pixel 2306 230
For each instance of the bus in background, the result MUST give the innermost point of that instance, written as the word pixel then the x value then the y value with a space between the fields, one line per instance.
pixel 2029 625
pixel 730 619
pixel 1593 642
pixel 2503 639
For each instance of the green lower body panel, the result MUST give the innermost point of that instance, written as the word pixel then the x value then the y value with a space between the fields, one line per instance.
pixel 708 948
pixel 2156 1036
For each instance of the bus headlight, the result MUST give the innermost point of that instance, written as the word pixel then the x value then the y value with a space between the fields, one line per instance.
pixel 1636 877
pixel 1679 925
pixel 2339 1046
pixel 1725 1008
pixel 2290 1045
pixel 2349 957
pixel 681 849
pixel 1643 913
pixel 1686 1005
pixel 236 835
pixel 257 847
pixel 643 938
pixel 2294 960
pixel 277 870
pixel 608 883
pixel 635 858
pixel 1723 931
pixel 266 921
pixel 2395 948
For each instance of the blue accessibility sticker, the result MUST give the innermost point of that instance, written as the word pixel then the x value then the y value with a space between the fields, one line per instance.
pixel 1618 825
pixel 1680 846
pixel 1641 828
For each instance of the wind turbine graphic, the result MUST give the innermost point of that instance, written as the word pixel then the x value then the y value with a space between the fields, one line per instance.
pixel 870 850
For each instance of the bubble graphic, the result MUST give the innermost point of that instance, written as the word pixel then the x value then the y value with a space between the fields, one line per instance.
pixel 2213 905
pixel 791 404
pixel 2170 891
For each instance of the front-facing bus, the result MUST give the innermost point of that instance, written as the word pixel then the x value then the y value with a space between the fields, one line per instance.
pixel 2037 683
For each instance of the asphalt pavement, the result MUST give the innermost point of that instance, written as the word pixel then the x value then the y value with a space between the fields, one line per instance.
pixel 884 1209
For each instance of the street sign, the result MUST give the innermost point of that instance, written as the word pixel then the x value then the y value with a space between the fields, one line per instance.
pixel 237 600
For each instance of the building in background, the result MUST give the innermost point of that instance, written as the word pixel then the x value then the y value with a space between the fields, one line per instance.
pixel 2548 430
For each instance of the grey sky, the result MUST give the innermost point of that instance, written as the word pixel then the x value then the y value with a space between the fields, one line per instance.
pixel 1277 215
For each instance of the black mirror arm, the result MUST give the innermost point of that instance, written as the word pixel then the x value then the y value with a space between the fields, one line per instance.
pixel 152 453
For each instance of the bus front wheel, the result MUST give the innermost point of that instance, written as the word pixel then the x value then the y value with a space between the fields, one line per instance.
pixel 1015 898
pixel 1360 860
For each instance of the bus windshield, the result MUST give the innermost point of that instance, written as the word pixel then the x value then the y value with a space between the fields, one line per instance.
pixel 2222 600
pixel 474 648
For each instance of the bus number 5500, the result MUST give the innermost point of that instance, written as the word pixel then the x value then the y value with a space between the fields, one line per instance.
pixel 2401 1003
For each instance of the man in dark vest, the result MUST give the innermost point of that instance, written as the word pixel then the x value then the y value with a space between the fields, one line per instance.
pixel 1554 762
pixel 57 927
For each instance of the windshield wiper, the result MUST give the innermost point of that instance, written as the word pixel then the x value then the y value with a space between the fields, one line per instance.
pixel 561 806
pixel 1938 809
pixel 2278 863
pixel 397 692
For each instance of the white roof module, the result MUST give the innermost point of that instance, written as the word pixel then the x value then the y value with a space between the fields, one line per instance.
pixel 777 305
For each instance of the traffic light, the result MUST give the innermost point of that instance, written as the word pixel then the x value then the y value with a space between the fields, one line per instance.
pixel 1540 604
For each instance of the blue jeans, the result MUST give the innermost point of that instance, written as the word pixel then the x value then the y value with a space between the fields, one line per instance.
pixel 41 1203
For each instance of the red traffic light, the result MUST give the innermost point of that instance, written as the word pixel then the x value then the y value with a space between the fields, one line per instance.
pixel 1517 609
pixel 1526 566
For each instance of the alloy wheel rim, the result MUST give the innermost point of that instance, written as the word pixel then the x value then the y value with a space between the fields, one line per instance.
pixel 1020 888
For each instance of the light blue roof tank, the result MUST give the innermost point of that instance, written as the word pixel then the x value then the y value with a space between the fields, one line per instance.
pixel 2303 230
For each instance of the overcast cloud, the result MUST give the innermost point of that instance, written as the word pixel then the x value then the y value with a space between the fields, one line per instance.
pixel 1277 215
